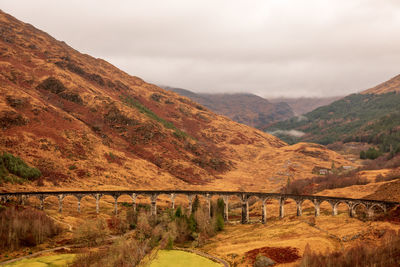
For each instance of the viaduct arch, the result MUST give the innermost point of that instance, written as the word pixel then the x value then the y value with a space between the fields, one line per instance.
pixel 351 203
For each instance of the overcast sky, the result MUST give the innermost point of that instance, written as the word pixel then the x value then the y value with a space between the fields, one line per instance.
pixel 267 47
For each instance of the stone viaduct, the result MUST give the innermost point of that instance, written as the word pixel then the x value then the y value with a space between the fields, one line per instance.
pixel 369 205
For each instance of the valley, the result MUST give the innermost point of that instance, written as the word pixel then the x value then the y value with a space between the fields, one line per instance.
pixel 247 109
pixel 101 168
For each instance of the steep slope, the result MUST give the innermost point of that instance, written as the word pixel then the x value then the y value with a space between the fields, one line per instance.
pixel 372 116
pixel 392 85
pixel 244 108
pixel 86 124
pixel 304 105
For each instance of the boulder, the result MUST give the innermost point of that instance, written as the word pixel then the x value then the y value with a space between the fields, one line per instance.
pixel 262 261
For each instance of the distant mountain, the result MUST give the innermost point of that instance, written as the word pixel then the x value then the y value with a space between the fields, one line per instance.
pixel 302 105
pixel 244 108
pixel 371 116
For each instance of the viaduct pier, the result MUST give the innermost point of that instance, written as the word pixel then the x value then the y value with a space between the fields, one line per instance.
pixel 369 205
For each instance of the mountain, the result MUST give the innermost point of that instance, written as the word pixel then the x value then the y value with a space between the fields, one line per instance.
pixel 86 124
pixel 246 108
pixel 302 105
pixel 371 116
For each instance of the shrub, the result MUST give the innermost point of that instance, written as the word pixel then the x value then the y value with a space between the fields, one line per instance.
pixel 5 176
pixel 156 97
pixel 116 117
pixel 131 218
pixel 91 232
pixel 117 225
pixel 143 227
pixel 178 134
pixel 27 227
pixel 72 167
pixel 9 119
pixel 372 153
pixel 123 252
pixel 16 102
pixel 156 235
pixel 195 204
pixel 16 166
pixel 178 212
pixel 53 85
pixel 183 232
pixel 220 224
pixel 72 96
pixel 205 224
pixel 170 244
pixel 192 224
pixel 220 206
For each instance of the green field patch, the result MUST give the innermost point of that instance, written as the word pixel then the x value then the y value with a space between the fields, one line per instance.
pixel 177 258
pixel 46 261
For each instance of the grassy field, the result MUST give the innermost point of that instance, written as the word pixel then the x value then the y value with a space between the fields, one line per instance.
pixel 176 258
pixel 46 261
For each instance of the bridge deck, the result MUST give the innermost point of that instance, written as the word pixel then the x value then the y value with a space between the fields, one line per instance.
pixel 192 192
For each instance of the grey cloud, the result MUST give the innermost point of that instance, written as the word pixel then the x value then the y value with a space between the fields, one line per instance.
pixel 271 48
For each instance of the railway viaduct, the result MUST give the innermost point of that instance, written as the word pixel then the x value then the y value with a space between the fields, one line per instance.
pixel 370 205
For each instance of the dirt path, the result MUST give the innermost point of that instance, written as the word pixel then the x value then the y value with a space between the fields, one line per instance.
pixel 57 220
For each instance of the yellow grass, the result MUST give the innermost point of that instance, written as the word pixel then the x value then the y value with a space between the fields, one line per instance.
pixel 53 261
pixel 176 258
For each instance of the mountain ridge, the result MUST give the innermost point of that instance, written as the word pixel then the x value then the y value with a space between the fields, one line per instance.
pixel 302 105
pixel 244 108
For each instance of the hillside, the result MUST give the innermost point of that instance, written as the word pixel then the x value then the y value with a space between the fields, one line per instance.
pixel 302 105
pixel 392 85
pixel 86 124
pixel 373 116
pixel 244 108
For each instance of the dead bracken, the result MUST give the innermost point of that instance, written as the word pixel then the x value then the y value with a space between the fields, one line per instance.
pixel 279 255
